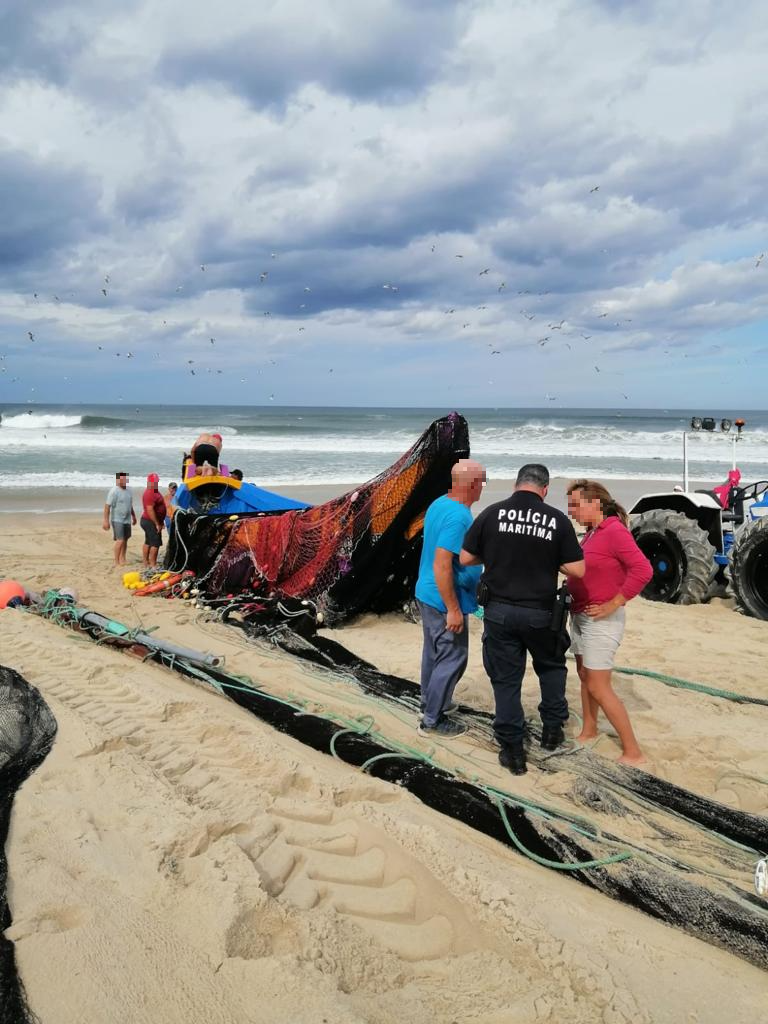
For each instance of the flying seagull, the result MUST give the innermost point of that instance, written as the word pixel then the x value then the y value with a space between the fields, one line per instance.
pixel 595 189
pixel 30 335
pixel 486 271
pixel 527 315
pixel 760 259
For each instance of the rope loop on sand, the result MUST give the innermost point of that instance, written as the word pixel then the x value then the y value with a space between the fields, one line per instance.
pixel 600 862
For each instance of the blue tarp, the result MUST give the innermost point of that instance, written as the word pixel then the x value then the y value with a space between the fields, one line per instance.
pixel 249 498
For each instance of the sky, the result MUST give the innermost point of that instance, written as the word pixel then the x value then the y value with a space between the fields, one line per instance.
pixel 384 202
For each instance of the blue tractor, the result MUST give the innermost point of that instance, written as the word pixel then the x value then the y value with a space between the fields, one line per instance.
pixel 699 542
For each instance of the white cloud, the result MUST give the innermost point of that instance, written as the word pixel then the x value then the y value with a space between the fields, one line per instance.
pixel 599 158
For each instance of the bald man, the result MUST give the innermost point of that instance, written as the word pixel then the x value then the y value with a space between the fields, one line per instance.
pixel 446 593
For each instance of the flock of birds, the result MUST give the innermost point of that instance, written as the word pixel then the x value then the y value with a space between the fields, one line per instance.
pixel 536 318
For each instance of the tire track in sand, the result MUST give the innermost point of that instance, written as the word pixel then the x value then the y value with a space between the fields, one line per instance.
pixel 307 853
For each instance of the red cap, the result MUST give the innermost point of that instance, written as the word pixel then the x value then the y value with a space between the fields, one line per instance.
pixel 217 435
pixel 153 478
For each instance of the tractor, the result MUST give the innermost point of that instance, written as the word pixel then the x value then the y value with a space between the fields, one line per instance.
pixel 700 541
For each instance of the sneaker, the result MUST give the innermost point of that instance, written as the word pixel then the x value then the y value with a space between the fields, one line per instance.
pixel 551 737
pixel 514 759
pixel 446 729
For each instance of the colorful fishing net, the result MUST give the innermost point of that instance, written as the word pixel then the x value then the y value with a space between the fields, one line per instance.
pixel 355 553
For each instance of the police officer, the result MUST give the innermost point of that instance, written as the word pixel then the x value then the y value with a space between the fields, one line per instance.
pixel 523 543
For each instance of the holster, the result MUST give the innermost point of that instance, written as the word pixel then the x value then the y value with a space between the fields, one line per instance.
pixel 560 609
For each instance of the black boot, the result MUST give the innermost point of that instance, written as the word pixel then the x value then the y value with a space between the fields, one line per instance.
pixel 552 736
pixel 514 759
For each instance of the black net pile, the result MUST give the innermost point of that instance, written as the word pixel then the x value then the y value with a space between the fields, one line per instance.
pixel 27 731
pixel 359 552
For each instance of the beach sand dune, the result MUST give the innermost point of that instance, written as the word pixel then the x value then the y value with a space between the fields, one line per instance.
pixel 175 859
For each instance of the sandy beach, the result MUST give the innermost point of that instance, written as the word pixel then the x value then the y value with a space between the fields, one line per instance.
pixel 174 859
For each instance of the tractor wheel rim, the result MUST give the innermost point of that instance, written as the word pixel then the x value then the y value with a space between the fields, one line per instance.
pixel 666 564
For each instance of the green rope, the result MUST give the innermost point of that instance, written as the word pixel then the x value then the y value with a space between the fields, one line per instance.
pixel 686 684
pixel 345 732
pixel 557 865
pixel 383 757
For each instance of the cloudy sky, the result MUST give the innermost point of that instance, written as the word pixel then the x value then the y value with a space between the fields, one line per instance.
pixel 394 202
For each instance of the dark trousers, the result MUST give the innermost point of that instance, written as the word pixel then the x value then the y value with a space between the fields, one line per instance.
pixel 443 661
pixel 510 633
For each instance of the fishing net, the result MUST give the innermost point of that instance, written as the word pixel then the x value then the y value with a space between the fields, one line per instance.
pixel 358 552
pixel 27 730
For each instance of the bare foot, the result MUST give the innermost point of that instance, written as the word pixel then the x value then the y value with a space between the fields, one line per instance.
pixel 585 737
pixel 635 761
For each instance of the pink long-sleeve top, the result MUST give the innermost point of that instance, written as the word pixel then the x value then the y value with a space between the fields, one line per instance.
pixel 613 564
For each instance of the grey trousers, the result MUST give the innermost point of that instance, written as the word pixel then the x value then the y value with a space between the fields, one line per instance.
pixel 443 661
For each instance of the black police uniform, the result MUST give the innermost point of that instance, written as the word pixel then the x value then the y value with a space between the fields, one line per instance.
pixel 522 542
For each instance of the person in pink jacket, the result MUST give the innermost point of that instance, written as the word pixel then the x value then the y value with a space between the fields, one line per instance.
pixel 616 571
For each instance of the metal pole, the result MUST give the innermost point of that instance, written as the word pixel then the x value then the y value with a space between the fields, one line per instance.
pixel 734 439
pixel 685 461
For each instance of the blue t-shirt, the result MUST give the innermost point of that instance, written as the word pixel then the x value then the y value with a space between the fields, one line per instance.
pixel 445 525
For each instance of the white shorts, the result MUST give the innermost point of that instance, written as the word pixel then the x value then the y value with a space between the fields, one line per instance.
pixel 597 640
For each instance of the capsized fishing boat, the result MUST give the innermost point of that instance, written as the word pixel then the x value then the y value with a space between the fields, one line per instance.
pixel 358 552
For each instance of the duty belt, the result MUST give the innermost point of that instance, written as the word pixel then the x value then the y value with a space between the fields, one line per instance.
pixel 542 606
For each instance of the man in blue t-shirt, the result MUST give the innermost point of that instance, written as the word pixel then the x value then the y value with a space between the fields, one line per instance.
pixel 447 593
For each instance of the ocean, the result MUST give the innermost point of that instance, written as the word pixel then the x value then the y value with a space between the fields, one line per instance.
pixel 46 447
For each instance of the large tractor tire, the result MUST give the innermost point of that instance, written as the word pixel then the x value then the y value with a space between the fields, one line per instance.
pixel 683 560
pixel 749 569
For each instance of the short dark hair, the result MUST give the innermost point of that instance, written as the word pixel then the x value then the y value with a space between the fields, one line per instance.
pixel 237 474
pixel 118 475
pixel 533 473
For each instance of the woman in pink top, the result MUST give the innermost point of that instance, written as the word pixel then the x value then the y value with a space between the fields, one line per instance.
pixel 616 571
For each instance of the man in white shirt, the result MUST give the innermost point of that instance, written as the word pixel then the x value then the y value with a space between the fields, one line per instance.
pixel 118 512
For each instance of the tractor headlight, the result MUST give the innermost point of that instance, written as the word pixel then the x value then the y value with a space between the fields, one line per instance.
pixel 725 426
pixel 695 423
pixel 708 423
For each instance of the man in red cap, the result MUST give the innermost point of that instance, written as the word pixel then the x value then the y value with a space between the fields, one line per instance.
pixel 152 520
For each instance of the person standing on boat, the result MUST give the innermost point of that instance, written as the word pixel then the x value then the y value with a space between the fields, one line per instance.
pixel 446 594
pixel 118 512
pixel 523 544
pixel 617 571
pixel 206 452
